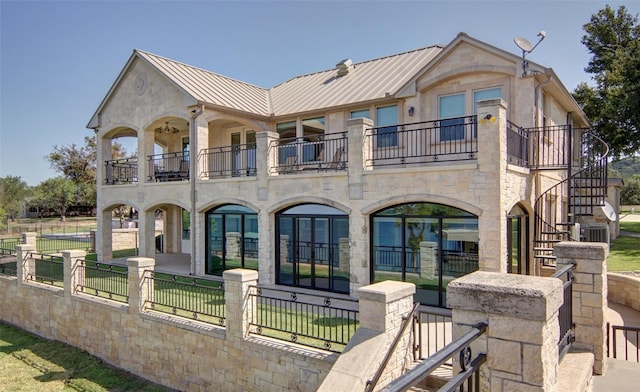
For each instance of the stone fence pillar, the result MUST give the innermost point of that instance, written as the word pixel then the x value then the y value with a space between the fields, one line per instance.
pixel 25 265
pixel 29 238
pixel 589 295
pixel 70 261
pixel 521 341
pixel 140 289
pixel 240 307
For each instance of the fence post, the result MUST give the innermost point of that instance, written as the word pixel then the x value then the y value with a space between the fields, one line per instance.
pixel 70 261
pixel 140 288
pixel 25 265
pixel 240 306
pixel 30 239
pixel 521 342
pixel 589 295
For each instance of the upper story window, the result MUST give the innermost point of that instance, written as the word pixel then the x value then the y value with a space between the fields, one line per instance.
pixel 286 129
pixel 365 113
pixel 386 120
pixel 451 110
pixel 480 95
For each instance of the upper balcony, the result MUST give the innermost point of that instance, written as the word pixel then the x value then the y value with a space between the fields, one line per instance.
pixel 418 144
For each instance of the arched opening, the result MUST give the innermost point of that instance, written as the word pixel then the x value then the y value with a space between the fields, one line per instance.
pixel 231 233
pixel 427 244
pixel 312 248
pixel 517 241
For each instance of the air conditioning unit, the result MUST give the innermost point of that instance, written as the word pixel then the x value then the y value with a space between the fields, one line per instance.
pixel 596 233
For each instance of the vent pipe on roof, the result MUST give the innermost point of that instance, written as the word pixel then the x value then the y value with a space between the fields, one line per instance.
pixel 344 66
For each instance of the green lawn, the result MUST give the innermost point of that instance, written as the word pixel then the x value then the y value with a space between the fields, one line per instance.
pixel 624 254
pixel 29 363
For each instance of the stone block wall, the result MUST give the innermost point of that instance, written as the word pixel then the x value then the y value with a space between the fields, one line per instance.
pixel 624 290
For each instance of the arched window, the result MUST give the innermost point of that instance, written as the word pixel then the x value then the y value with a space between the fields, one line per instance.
pixel 426 244
pixel 231 239
pixel 312 248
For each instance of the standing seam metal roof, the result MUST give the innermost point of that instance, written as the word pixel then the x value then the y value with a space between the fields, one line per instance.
pixel 366 81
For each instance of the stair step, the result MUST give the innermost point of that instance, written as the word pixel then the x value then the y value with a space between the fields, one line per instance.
pixel 546 257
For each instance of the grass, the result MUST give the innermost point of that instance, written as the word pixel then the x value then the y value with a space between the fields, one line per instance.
pixel 624 253
pixel 29 363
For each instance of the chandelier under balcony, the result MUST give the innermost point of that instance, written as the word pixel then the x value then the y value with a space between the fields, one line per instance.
pixel 167 129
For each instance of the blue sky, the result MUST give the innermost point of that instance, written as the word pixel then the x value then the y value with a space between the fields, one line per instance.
pixel 58 59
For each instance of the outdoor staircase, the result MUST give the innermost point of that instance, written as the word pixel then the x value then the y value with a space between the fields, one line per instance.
pixel 558 210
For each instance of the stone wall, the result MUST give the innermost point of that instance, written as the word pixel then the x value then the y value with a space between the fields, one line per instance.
pixel 624 290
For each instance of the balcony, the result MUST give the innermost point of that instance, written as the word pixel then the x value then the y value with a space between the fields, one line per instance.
pixel 121 171
pixel 172 166
pixel 228 161
pixel 326 152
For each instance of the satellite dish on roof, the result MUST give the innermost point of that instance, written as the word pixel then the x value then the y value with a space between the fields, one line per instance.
pixel 523 44
pixel 526 48
pixel 609 212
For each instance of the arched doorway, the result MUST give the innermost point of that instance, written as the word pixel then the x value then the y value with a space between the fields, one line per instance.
pixel 231 233
pixel 312 248
pixel 517 241
pixel 426 244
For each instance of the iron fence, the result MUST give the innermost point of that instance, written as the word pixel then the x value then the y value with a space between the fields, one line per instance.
pixel 8 245
pixel 628 338
pixel 47 269
pixel 453 139
pixel 173 166
pixel 186 296
pixel 56 243
pixel 228 161
pixel 8 268
pixel 517 145
pixel 103 280
pixel 432 331
pixel 121 171
pixel 550 147
pixel 308 320
pixel 324 152
pixel 565 313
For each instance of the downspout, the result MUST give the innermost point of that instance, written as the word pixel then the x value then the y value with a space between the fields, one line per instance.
pixel 193 167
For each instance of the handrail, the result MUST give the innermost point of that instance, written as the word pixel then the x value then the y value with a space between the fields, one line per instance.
pixel 406 321
pixel 430 364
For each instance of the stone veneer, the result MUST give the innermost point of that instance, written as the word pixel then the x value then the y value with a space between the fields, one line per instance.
pixel 624 290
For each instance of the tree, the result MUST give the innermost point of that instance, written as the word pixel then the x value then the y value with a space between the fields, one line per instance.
pixel 56 194
pixel 613 104
pixel 630 194
pixel 13 192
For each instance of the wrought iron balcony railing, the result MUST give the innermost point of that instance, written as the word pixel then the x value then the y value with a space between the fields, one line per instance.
pixel 173 166
pixel 228 161
pixel 121 171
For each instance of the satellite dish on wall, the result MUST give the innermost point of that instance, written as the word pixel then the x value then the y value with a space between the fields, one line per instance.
pixel 609 212
pixel 523 44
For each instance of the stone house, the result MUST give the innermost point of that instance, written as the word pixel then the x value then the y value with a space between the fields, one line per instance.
pixel 421 166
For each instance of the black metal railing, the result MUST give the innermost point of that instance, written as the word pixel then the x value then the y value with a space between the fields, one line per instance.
pixel 565 313
pixel 550 147
pixel 628 338
pixel 324 152
pixel 121 171
pixel 446 140
pixel 228 161
pixel 173 166
pixel 8 245
pixel 469 365
pixel 320 322
pixel 8 268
pixel 432 331
pixel 47 269
pixel 103 280
pixel 186 296
pixel 517 145
pixel 48 243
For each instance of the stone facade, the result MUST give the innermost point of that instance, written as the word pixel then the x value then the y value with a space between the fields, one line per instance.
pixel 624 290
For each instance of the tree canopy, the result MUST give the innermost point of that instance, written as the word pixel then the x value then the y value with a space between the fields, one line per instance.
pixel 12 194
pixel 613 104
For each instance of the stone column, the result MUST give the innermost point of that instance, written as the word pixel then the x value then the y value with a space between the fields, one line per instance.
pixel 140 289
pixel 589 295
pixel 428 260
pixel 147 233
pixel 240 306
pixel 344 255
pixel 25 265
pixel 521 341
pixel 29 239
pixel 70 261
pixel 492 169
